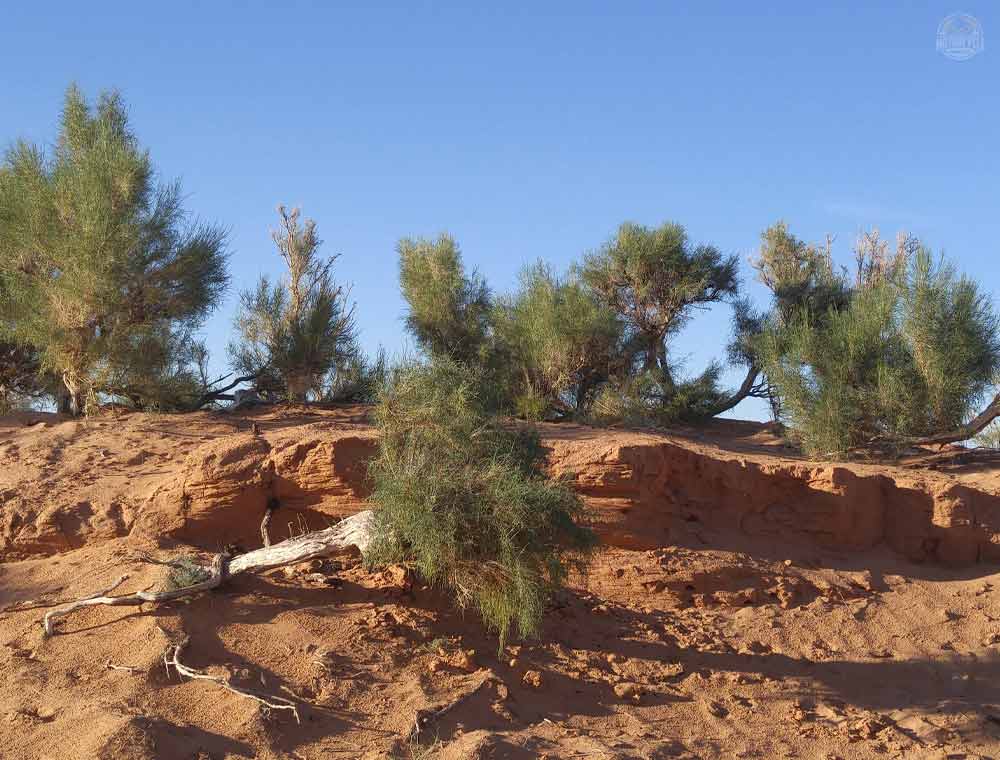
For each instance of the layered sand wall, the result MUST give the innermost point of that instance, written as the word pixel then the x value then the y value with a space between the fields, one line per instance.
pixel 213 492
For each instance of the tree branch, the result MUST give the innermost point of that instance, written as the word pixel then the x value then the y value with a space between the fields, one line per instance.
pixel 741 393
pixel 220 393
pixel 352 531
pixel 172 658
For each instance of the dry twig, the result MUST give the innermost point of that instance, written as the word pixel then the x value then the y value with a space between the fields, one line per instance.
pixel 172 659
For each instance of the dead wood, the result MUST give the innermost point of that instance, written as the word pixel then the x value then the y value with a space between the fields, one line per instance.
pixel 354 531
pixel 172 659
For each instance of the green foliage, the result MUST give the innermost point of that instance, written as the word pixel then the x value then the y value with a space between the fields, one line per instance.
pixel 799 274
pixel 358 379
pixel 184 572
pixel 448 310
pixel 21 378
pixel 646 399
pixel 556 344
pixel 953 338
pixel 911 353
pixel 95 256
pixel 298 328
pixel 653 278
pixel 561 341
pixel 160 370
pixel 462 499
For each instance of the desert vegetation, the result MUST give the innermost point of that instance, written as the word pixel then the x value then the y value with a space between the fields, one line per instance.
pixel 291 334
pixel 105 280
pixel 464 499
pixel 103 273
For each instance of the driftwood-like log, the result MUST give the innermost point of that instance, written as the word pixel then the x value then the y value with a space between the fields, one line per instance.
pixel 354 531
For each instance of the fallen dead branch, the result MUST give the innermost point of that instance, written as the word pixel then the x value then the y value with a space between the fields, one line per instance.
pixel 127 668
pixel 172 659
pixel 354 531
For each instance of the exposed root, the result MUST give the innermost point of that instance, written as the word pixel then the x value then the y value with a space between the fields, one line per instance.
pixel 172 659
pixel 353 531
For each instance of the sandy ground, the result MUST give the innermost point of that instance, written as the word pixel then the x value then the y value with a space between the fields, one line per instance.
pixel 713 645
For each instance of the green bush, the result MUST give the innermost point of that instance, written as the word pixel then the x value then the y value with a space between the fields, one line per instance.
pixel 561 341
pixel 97 259
pixel 448 310
pixel 463 500
pixel 357 379
pixel 185 572
pixel 299 328
pixel 647 400
pixel 911 354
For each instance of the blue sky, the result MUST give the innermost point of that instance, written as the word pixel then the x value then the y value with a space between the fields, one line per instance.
pixel 532 130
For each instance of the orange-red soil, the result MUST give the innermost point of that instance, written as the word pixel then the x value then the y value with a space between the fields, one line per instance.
pixel 746 604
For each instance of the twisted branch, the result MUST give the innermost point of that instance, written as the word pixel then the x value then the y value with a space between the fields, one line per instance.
pixel 353 531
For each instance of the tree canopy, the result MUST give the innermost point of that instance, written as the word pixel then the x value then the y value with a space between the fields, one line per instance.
pixel 98 260
pixel 301 327
pixel 653 277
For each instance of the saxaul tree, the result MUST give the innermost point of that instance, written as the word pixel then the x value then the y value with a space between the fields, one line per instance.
pixel 97 258
pixel 654 278
pixel 297 329
pixel 901 353
pixel 448 308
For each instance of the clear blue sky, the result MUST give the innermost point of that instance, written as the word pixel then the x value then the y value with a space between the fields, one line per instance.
pixel 531 131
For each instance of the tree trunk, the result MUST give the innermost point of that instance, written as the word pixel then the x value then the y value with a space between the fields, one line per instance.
pixel 64 401
pixel 963 433
pixel 298 386
pixel 75 399
pixel 741 393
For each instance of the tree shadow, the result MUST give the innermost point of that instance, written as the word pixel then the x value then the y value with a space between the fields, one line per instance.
pixel 144 735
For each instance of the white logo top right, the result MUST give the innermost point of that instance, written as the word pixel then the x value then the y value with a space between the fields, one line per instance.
pixel 960 37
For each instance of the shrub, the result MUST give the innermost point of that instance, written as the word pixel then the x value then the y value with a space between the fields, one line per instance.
pixel 646 400
pixel 911 353
pixel 299 328
pixel 162 369
pixel 448 310
pixel 357 379
pixel 463 500
pixel 561 341
pixel 185 571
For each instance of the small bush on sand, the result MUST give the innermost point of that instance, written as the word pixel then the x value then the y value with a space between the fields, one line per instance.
pixel 463 501
pixel 649 400
pixel 185 572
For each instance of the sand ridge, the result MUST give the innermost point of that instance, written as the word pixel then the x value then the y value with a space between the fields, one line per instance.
pixel 707 638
